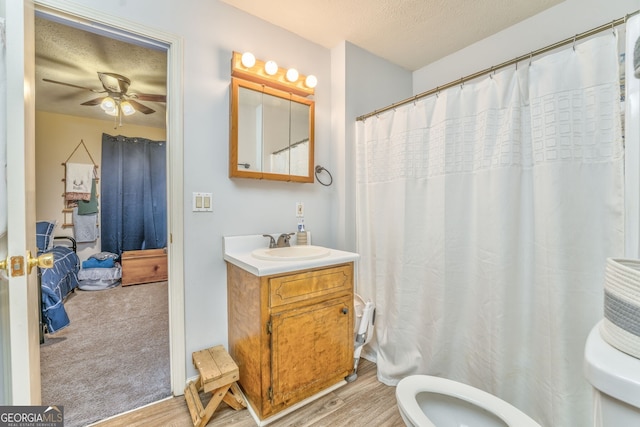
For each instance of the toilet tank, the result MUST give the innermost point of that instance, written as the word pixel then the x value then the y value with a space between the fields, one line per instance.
pixel 615 377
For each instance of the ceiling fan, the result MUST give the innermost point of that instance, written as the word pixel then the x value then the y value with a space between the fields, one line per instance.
pixel 117 100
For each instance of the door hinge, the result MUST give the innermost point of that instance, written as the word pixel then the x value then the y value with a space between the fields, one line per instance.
pixel 270 393
pixel 269 327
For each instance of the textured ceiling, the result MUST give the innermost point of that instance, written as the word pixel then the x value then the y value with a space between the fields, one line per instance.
pixel 409 33
pixel 75 56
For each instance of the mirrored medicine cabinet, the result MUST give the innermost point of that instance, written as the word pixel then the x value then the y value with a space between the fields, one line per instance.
pixel 272 133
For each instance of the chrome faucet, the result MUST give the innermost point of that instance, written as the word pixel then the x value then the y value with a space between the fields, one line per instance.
pixel 283 240
pixel 272 241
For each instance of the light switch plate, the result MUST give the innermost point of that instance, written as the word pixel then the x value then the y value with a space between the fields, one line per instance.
pixel 299 209
pixel 202 202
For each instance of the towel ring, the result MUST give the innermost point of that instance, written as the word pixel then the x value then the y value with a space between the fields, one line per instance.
pixel 319 169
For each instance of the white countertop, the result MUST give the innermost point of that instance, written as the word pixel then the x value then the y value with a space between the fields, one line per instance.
pixel 237 250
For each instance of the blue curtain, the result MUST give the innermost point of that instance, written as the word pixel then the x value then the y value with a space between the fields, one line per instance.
pixel 134 194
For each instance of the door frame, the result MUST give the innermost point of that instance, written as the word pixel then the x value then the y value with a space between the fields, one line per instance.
pixel 19 292
pixel 83 17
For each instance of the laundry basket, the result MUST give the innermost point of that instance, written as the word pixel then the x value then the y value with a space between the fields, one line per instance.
pixel 365 314
pixel 97 279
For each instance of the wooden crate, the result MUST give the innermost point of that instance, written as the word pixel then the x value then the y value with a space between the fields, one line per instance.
pixel 145 266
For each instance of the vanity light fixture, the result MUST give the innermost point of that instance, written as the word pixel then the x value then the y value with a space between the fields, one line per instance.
pixel 311 81
pixel 271 68
pixel 292 75
pixel 248 60
pixel 269 74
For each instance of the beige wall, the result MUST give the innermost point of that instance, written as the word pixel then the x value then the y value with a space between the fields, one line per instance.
pixel 56 137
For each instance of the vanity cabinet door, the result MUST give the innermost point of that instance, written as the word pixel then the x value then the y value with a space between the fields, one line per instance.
pixel 311 348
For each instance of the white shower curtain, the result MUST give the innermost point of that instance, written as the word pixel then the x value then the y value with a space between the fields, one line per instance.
pixel 485 215
pixel 292 161
pixel 632 141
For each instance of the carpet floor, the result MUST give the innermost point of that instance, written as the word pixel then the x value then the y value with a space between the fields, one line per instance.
pixel 114 355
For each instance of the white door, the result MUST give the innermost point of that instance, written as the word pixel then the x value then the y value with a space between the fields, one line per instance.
pixel 19 304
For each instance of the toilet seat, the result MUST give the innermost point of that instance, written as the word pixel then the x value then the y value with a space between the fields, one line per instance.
pixel 408 388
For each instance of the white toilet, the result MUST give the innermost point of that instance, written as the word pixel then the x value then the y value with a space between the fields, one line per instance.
pixel 427 401
pixel 615 377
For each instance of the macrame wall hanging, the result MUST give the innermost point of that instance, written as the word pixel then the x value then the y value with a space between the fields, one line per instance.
pixel 80 180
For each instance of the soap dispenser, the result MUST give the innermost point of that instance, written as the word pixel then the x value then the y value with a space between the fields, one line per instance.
pixel 301 235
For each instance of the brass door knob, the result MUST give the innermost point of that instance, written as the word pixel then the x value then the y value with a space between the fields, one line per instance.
pixel 42 261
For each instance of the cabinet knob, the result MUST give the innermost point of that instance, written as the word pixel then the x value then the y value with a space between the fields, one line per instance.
pixel 345 310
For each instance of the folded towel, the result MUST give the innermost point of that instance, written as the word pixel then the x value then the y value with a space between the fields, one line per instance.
pixel 96 263
pixel 78 181
pixel 86 207
pixel 85 228
pixel 104 255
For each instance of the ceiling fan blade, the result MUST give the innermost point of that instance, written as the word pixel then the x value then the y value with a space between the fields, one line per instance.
pixel 148 97
pixel 72 85
pixel 142 108
pixel 93 102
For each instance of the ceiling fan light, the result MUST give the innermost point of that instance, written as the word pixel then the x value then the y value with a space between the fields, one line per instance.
pixel 127 108
pixel 108 104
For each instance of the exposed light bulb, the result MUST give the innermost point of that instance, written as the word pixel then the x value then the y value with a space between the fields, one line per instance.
pixel 271 68
pixel 108 104
pixel 127 108
pixel 292 75
pixel 311 81
pixel 248 60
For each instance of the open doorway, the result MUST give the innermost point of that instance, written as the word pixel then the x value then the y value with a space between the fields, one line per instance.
pixel 67 123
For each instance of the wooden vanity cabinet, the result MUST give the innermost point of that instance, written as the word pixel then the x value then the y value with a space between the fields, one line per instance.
pixel 291 334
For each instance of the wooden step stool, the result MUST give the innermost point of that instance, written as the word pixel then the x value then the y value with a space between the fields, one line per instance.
pixel 218 374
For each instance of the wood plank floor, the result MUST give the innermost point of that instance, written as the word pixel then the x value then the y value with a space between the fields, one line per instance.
pixel 364 402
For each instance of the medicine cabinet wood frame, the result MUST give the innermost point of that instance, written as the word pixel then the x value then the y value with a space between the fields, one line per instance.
pixel 235 169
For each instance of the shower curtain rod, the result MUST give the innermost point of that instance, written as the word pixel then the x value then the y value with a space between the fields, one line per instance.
pixel 295 144
pixel 462 80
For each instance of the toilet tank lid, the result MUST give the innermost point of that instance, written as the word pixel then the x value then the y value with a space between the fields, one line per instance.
pixel 610 370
